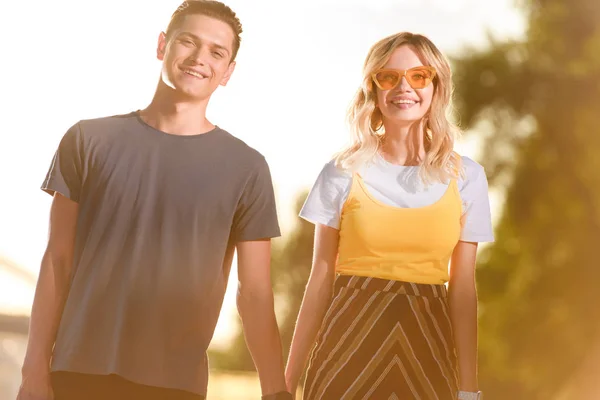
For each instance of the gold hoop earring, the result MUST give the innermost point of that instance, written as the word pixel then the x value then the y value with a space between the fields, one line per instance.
pixel 376 115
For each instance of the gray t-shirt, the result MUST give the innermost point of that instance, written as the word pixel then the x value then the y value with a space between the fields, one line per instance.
pixel 157 213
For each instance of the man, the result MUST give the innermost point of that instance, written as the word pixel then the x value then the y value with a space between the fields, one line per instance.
pixel 147 210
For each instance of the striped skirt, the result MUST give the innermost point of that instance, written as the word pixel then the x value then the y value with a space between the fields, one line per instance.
pixel 383 340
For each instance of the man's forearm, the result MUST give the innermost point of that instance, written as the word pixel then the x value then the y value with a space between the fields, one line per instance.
pixel 263 340
pixel 463 314
pixel 48 304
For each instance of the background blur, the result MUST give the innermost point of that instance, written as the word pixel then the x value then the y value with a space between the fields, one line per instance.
pixel 528 96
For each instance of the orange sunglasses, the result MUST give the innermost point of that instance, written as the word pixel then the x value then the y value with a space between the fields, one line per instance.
pixel 417 77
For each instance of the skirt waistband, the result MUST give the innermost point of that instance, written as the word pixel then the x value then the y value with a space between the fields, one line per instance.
pixel 384 285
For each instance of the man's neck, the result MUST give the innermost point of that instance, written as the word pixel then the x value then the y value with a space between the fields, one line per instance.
pixel 176 116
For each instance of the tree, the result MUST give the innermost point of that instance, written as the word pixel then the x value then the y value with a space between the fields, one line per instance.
pixel 537 284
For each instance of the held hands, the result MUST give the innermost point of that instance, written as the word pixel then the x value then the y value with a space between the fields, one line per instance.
pixel 278 396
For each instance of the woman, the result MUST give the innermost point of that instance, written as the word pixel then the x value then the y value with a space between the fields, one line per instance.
pixel 398 215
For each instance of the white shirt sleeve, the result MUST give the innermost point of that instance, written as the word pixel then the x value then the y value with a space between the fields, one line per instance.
pixel 477 218
pixel 327 196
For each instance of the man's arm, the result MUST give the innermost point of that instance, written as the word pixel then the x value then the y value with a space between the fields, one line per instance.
pixel 50 296
pixel 256 307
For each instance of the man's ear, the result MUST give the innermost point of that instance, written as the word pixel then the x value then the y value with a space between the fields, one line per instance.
pixel 162 46
pixel 227 75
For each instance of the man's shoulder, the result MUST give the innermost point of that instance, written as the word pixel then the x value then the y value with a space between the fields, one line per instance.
pixel 95 128
pixel 101 124
pixel 241 150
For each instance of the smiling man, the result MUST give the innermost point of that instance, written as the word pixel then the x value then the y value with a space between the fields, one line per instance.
pixel 147 210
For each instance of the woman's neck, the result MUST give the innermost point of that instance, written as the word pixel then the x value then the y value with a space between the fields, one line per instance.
pixel 403 145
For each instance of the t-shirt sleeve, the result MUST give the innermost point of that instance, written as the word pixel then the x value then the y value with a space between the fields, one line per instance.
pixel 256 215
pixel 327 196
pixel 477 219
pixel 65 175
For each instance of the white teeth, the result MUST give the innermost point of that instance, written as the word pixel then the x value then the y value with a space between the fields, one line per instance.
pixel 193 73
pixel 403 101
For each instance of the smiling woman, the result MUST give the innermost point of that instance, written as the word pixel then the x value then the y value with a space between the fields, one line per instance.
pixel 398 216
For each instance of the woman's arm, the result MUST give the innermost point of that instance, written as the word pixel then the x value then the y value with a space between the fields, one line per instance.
pixel 317 298
pixel 463 312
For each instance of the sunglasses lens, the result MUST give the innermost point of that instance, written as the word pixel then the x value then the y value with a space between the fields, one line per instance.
pixel 419 78
pixel 387 79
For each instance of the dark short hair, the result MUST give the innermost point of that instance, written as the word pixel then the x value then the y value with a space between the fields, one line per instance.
pixel 210 8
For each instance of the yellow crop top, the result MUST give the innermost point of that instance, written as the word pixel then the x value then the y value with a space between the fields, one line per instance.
pixel 405 244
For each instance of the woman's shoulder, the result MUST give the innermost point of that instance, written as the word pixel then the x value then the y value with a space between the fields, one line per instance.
pixel 332 171
pixel 472 170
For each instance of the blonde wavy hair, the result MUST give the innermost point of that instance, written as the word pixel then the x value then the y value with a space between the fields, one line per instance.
pixel 366 125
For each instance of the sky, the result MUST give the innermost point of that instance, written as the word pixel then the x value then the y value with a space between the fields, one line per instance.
pixel 297 70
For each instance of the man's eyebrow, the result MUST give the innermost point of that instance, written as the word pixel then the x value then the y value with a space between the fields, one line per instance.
pixel 198 39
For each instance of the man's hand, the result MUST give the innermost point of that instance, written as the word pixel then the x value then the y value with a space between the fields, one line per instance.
pixel 278 396
pixel 257 311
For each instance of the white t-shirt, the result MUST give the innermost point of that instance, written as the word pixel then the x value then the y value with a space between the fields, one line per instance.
pixel 401 186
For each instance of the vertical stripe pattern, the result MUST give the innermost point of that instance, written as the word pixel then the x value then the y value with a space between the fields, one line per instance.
pixel 384 339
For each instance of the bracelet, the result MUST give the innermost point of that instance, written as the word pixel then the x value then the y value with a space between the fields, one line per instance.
pixel 278 396
pixel 462 395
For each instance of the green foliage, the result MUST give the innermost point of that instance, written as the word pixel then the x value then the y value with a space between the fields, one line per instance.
pixel 537 283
